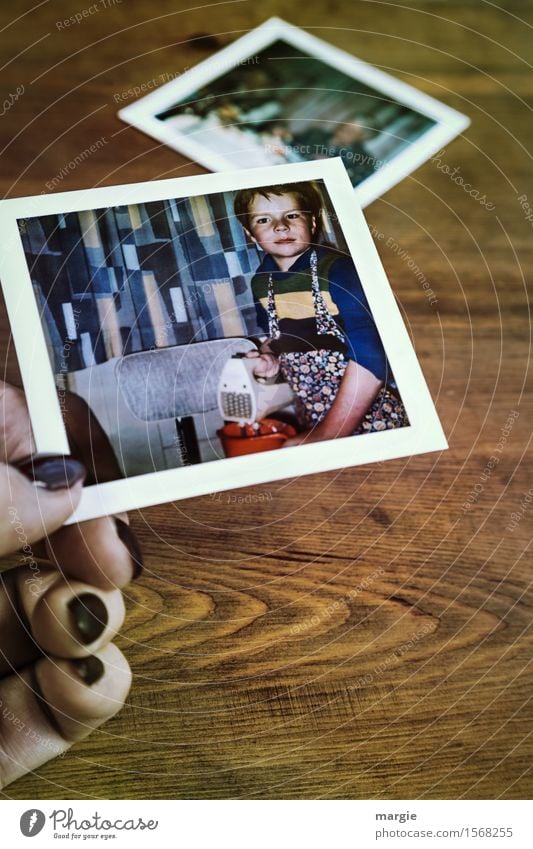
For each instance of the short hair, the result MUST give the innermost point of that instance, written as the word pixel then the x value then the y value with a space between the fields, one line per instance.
pixel 307 194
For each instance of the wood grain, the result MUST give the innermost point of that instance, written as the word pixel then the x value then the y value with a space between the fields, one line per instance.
pixel 361 634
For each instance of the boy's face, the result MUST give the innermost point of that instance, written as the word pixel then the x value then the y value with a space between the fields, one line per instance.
pixel 280 227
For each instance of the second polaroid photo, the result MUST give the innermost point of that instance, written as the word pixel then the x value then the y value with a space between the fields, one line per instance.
pixel 279 94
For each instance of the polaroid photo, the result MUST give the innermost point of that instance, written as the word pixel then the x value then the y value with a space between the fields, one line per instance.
pixel 224 330
pixel 280 95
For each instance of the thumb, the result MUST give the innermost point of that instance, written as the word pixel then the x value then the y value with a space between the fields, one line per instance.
pixel 37 494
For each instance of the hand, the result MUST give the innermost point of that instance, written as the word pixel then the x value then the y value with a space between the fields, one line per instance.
pixel 358 389
pixel 267 364
pixel 60 675
pixel 304 438
pixel 316 434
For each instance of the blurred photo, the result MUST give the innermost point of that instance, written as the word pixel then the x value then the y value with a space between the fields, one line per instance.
pixel 288 106
pixel 290 97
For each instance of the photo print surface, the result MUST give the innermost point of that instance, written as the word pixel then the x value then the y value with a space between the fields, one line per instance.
pixel 221 331
pixel 158 279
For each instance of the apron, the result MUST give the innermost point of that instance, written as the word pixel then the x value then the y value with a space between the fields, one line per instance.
pixel 315 376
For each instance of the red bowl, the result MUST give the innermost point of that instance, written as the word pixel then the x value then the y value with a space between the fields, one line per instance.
pixel 239 439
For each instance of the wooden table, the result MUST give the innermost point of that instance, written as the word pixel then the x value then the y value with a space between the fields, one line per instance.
pixel 358 634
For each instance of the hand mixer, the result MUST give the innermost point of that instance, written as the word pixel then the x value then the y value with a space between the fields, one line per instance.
pixel 244 398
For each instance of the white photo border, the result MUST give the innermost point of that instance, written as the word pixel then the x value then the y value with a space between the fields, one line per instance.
pixel 423 435
pixel 449 122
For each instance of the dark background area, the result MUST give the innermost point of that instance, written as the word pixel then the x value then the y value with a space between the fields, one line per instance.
pixel 364 633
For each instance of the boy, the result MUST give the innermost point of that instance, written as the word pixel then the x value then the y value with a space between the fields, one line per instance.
pixel 311 304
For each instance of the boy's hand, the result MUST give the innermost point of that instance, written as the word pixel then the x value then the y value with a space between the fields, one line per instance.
pixel 267 364
pixel 306 437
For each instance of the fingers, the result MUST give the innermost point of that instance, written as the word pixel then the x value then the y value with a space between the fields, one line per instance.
pixel 300 439
pixel 56 702
pixel 40 612
pixel 262 367
pixel 36 497
pixel 88 441
pixel 267 364
pixel 84 693
pixel 84 679
pixel 271 365
pixel 69 619
pixel 16 438
pixel 104 552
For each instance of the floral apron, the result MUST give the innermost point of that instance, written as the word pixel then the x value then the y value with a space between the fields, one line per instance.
pixel 315 376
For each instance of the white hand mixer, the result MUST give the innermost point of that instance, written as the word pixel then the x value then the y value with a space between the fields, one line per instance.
pixel 244 398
